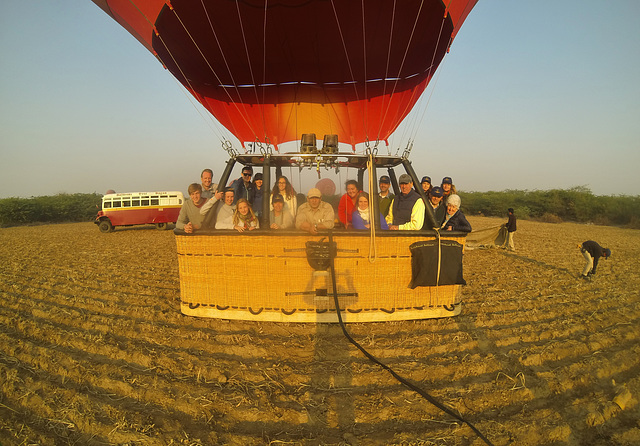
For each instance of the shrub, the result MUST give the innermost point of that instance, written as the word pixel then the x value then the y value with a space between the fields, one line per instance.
pixel 577 204
pixel 550 218
pixel 49 209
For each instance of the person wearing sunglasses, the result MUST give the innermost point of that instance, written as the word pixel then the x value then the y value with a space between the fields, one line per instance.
pixel 243 187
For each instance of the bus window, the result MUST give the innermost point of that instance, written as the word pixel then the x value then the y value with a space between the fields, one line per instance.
pixel 144 202
pixel 126 203
pixel 155 201
pixel 135 202
pixel 116 203
pixel 106 205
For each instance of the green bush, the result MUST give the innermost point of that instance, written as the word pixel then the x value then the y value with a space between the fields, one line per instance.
pixel 577 204
pixel 49 209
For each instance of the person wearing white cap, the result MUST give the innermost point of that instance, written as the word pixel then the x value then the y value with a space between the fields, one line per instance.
pixel 407 209
pixel 315 214
pixel 455 219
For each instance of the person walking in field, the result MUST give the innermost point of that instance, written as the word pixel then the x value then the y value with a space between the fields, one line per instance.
pixel 592 252
pixel 511 228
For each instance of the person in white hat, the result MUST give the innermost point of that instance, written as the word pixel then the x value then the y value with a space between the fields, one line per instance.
pixel 315 214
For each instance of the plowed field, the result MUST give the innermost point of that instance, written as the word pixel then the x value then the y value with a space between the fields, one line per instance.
pixel 94 351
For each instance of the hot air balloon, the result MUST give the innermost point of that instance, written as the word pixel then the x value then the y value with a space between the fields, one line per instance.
pixel 277 71
pixel 272 70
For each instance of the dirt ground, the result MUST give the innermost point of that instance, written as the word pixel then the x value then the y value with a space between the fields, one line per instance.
pixel 94 351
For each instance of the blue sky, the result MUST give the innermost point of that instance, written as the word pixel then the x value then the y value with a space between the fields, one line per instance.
pixel 534 95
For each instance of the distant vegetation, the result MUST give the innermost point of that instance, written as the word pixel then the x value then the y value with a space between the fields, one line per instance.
pixel 49 209
pixel 577 204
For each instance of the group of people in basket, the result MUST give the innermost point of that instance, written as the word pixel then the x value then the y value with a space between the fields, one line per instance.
pixel 239 206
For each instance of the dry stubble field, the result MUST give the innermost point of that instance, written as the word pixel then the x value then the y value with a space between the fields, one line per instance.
pixel 94 351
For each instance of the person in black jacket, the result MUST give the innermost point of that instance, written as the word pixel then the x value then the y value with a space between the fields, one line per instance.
pixel 511 228
pixel 455 219
pixel 592 253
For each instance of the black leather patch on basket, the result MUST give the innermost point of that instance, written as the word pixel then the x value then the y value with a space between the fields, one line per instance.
pixel 424 263
pixel 319 254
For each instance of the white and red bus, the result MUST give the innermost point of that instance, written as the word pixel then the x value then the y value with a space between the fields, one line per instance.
pixel 139 208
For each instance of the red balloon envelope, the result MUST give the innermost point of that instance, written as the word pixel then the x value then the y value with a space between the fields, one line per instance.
pixel 271 70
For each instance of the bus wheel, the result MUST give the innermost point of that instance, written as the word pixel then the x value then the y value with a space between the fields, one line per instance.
pixel 105 226
pixel 161 226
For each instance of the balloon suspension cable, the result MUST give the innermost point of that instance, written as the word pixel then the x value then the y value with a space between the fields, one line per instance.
pixel 449 411
pixel 407 150
pixel 265 149
pixel 228 147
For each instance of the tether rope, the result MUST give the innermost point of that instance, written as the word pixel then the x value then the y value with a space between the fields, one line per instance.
pixel 372 358
pixel 372 226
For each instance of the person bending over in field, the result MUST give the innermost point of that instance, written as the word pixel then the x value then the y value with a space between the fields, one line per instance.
pixel 455 219
pixel 592 253
pixel 190 219
pixel 243 218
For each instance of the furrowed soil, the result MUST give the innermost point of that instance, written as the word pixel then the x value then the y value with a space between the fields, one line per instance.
pixel 94 351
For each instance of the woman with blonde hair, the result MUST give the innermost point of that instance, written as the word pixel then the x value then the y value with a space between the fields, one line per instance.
pixel 243 218
pixel 448 187
pixel 284 188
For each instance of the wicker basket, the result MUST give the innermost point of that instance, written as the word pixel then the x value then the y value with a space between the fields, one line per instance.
pixel 266 276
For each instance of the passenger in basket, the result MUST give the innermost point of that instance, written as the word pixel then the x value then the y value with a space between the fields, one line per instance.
pixel 361 218
pixel 592 252
pixel 190 219
pixel 284 188
pixel 243 187
pixel 407 209
pixel 279 218
pixel 209 188
pixel 426 185
pixel 224 219
pixel 258 195
pixel 439 209
pixel 315 214
pixel 448 187
pixel 243 218
pixel 455 219
pixel 385 197
pixel 348 203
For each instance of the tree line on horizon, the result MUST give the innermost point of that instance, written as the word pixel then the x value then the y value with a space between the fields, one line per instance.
pixel 577 204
